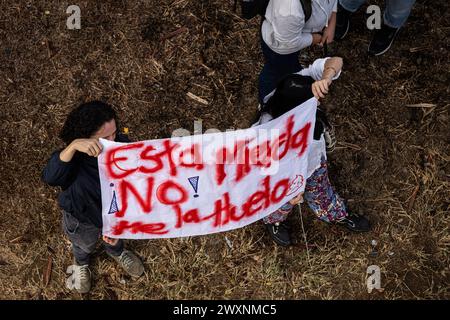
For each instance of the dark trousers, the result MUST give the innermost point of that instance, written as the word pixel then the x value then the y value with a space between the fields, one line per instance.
pixel 84 238
pixel 276 67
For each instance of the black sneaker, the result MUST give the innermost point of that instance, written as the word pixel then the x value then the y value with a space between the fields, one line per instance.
pixel 355 223
pixel 280 233
pixel 342 23
pixel 382 40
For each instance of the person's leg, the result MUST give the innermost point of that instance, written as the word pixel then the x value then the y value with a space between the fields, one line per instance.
pixel 276 66
pixel 326 204
pixel 125 258
pixel 114 250
pixel 276 226
pixel 397 12
pixel 280 215
pixel 395 15
pixel 264 82
pixel 83 237
pixel 351 5
pixel 344 11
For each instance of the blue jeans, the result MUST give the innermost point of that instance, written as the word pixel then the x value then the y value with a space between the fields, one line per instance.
pixel 395 14
pixel 276 67
pixel 84 238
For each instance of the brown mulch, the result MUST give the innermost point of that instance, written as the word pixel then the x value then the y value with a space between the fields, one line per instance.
pixel 144 57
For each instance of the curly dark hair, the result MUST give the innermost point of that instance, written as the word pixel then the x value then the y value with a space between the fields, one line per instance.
pixel 86 120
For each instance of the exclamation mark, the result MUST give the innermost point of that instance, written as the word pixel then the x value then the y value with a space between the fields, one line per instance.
pixel 194 183
pixel 113 208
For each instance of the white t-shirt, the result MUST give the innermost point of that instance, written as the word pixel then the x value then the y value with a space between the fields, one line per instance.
pixel 284 29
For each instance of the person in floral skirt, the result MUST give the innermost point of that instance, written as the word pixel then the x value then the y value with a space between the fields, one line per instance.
pixel 319 194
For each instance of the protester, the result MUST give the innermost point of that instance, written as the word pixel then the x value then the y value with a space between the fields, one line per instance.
pixel 285 32
pixel 326 204
pixel 75 170
pixel 395 15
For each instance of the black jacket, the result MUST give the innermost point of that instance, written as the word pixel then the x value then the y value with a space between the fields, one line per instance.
pixel 80 182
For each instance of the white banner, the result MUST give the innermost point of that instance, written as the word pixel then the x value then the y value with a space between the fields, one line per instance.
pixel 208 183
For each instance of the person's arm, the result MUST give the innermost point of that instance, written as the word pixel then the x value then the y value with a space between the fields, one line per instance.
pixel 332 68
pixel 57 172
pixel 330 71
pixel 60 169
pixel 317 38
pixel 110 241
pixel 298 199
pixel 319 66
pixel 89 146
pixel 328 32
pixel 324 71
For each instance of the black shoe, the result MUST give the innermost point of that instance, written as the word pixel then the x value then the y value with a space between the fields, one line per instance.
pixel 280 233
pixel 355 223
pixel 382 40
pixel 342 23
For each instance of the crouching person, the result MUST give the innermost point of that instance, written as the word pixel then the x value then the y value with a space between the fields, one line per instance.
pixel 319 194
pixel 75 170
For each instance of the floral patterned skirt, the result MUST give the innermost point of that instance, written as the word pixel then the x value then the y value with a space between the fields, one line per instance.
pixel 320 196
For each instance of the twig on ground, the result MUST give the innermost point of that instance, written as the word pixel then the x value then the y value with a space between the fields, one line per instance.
pixel 174 33
pixel 348 145
pixel 48 271
pixel 197 98
pixel 413 198
pixel 304 234
pixel 421 105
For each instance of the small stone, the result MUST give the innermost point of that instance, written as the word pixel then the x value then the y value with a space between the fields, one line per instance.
pixel 390 253
pixel 374 243
pixel 47 12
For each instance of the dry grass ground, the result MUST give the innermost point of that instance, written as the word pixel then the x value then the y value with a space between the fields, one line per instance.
pixel 392 161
